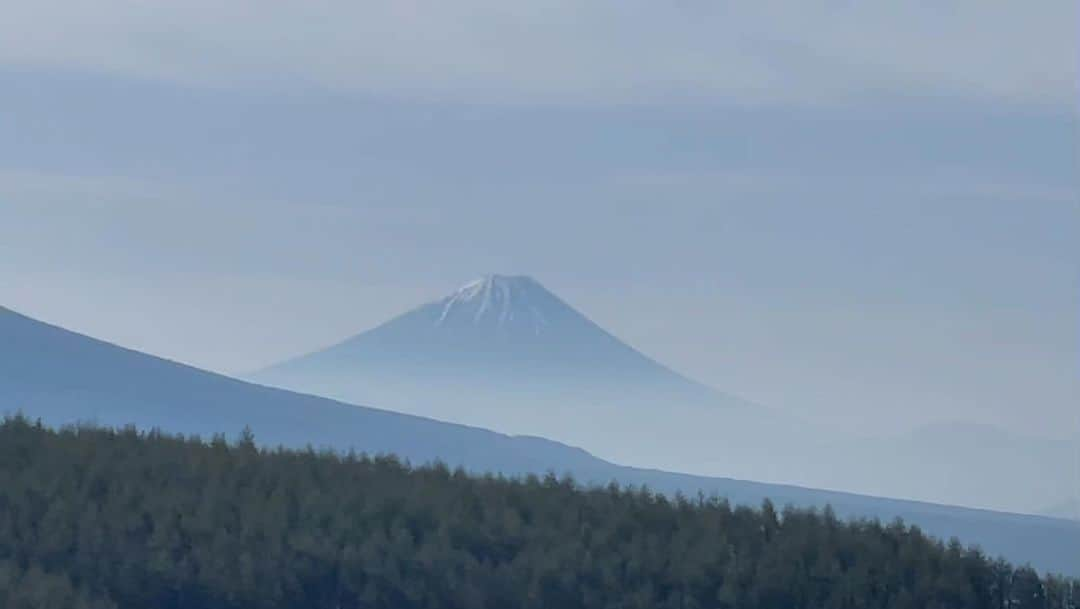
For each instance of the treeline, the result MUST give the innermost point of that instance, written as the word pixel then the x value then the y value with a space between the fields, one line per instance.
pixel 93 518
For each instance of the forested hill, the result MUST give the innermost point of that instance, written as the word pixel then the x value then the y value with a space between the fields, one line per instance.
pixel 96 518
pixel 64 377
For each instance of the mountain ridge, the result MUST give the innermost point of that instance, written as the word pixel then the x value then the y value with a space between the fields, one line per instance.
pixel 63 378
pixel 505 353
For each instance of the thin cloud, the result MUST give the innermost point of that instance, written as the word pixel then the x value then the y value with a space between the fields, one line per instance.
pixel 560 52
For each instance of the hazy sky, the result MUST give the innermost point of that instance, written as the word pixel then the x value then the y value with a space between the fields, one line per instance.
pixel 865 212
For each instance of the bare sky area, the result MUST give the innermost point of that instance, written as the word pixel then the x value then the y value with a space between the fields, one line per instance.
pixel 868 213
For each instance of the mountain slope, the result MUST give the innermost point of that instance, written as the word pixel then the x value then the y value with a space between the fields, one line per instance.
pixel 63 377
pixel 504 330
pixel 505 353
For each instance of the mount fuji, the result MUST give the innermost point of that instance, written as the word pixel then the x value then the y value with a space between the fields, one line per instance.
pixel 505 353
pixel 506 332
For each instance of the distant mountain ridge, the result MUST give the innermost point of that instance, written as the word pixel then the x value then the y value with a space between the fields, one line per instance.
pixel 1069 510
pixel 505 353
pixel 62 377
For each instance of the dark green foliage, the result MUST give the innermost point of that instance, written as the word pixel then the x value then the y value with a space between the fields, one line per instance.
pixel 94 518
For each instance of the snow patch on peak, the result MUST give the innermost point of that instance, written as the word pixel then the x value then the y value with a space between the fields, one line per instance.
pixel 502 281
pixel 501 298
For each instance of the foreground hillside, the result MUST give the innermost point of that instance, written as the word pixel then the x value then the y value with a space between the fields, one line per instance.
pixel 95 518
pixel 64 378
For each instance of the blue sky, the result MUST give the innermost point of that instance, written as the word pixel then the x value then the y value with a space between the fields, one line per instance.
pixel 864 212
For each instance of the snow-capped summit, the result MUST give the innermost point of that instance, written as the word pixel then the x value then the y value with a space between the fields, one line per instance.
pixel 495 282
pixel 501 301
